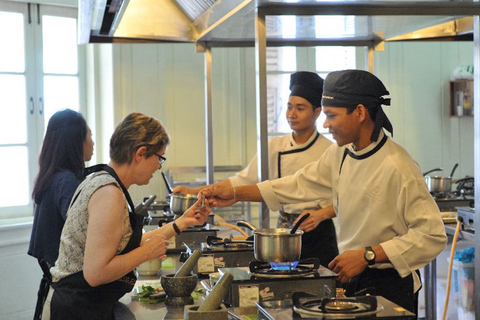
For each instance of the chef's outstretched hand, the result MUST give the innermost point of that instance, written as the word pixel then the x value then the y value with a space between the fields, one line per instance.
pixel 348 264
pixel 219 195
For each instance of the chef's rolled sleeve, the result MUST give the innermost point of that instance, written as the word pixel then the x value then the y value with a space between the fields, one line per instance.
pixel 268 195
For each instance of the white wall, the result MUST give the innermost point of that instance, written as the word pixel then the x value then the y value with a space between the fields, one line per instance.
pixel 417 75
pixel 19 274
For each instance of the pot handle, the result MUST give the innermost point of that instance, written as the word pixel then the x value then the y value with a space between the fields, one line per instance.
pixel 167 183
pixel 433 170
pixel 299 222
pixel 246 224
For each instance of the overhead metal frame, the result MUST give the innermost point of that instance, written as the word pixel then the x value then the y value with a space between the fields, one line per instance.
pixel 264 8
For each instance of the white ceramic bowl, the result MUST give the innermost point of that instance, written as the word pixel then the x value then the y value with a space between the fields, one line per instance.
pixel 149 268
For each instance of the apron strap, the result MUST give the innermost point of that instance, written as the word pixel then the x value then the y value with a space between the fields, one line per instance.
pixel 43 289
pixel 104 167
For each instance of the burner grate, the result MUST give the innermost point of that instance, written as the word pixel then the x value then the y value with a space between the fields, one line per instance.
pixel 293 269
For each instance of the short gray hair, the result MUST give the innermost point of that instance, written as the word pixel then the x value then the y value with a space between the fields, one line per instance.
pixel 134 131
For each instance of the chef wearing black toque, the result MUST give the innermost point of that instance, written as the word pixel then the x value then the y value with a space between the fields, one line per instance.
pixel 389 225
pixel 289 153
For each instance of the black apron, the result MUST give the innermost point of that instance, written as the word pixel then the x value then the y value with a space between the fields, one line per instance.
pixel 386 283
pixel 320 243
pixel 74 298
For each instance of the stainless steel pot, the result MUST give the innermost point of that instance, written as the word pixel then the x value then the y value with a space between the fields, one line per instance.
pixel 438 184
pixel 179 202
pixel 275 245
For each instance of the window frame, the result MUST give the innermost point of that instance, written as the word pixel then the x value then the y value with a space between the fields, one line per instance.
pixel 34 76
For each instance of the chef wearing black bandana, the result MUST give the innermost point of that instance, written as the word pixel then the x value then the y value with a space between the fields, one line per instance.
pixel 289 153
pixel 389 225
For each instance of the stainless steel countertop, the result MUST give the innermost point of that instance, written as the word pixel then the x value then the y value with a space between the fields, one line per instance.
pixel 129 309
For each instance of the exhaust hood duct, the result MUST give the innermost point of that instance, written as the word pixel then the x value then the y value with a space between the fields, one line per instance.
pixel 195 8
pixel 230 22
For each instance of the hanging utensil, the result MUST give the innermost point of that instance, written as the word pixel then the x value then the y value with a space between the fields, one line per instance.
pixel 453 170
pixel 299 222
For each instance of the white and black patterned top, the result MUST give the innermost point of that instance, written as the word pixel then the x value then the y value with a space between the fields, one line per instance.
pixel 74 234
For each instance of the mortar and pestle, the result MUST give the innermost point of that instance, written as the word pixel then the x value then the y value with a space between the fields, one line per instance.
pixel 179 286
pixel 212 308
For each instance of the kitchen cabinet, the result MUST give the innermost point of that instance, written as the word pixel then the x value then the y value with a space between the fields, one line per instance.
pixel 461 98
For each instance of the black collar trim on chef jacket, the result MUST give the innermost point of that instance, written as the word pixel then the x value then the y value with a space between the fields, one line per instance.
pixel 294 151
pixel 363 156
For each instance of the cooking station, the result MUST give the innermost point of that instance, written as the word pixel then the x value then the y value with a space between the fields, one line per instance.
pixel 261 282
pixel 304 306
pixel 219 254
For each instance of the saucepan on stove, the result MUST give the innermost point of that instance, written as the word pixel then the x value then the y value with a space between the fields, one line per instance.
pixel 438 184
pixel 276 245
pixel 179 203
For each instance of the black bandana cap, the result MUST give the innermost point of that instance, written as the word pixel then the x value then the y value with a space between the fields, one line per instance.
pixel 349 88
pixel 307 85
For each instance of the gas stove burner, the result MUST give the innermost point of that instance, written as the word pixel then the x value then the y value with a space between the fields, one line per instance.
pixel 216 243
pixel 335 308
pixel 294 269
pixel 340 306
pixel 446 196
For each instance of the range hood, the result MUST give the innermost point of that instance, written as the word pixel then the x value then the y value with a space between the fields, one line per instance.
pixel 308 22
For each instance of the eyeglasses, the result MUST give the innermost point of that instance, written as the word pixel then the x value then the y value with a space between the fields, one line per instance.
pixel 161 159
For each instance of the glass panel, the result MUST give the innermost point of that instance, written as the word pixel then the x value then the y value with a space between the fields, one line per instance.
pixel 334 26
pixel 13 119
pixel 334 58
pixel 280 26
pixel 60 92
pixel 59 45
pixel 12 56
pixel 282 59
pixel 14 186
pixel 277 99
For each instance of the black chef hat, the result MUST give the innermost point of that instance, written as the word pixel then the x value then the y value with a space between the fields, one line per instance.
pixel 307 85
pixel 349 88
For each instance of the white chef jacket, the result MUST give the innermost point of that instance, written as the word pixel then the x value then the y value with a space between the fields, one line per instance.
pixel 285 157
pixel 380 198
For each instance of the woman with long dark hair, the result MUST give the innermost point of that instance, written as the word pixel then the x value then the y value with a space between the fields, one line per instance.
pixel 66 146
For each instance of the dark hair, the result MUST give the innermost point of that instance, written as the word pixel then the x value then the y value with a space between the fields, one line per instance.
pixel 372 111
pixel 134 131
pixel 62 149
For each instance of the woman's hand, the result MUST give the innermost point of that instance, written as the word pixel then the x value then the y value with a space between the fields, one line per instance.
pixel 155 247
pixel 195 215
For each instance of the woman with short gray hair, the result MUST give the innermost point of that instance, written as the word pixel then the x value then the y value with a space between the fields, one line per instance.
pixel 102 241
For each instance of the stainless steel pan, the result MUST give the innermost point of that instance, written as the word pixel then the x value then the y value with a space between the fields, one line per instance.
pixel 276 245
pixel 437 184
pixel 179 203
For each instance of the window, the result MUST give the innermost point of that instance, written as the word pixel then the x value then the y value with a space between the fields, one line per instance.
pixel 39 74
pixel 283 61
